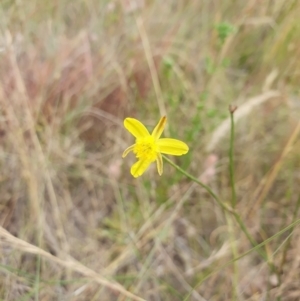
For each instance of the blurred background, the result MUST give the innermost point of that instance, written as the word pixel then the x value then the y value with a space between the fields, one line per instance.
pixel 70 72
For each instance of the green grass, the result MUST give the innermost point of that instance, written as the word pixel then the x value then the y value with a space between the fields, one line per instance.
pixel 71 71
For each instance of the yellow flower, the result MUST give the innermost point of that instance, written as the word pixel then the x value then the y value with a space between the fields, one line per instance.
pixel 149 147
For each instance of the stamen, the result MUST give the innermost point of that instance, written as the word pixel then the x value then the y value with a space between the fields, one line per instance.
pixel 146 149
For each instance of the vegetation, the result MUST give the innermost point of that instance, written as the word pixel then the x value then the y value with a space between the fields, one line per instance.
pixel 221 222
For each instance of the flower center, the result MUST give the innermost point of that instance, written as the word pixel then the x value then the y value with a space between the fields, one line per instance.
pixel 146 149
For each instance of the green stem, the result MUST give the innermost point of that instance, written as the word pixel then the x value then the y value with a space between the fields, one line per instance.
pixel 224 206
pixel 231 161
pixel 221 204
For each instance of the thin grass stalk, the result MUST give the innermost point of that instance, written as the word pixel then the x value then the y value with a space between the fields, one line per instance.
pixel 287 245
pixel 231 159
pixel 233 244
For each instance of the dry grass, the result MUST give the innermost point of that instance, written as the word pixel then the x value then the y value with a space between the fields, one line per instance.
pixel 74 224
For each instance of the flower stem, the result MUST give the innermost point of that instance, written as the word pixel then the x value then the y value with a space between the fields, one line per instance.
pixel 194 179
pixel 225 207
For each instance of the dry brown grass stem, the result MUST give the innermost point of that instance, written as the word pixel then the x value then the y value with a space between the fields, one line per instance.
pixel 267 182
pixel 240 113
pixel 148 231
pixel 23 100
pixel 151 65
pixel 69 263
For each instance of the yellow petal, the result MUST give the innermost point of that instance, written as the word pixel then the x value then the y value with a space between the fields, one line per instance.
pixel 127 150
pixel 136 128
pixel 159 164
pixel 172 147
pixel 139 167
pixel 159 127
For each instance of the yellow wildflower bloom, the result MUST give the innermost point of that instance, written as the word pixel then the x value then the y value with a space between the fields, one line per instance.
pixel 149 147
